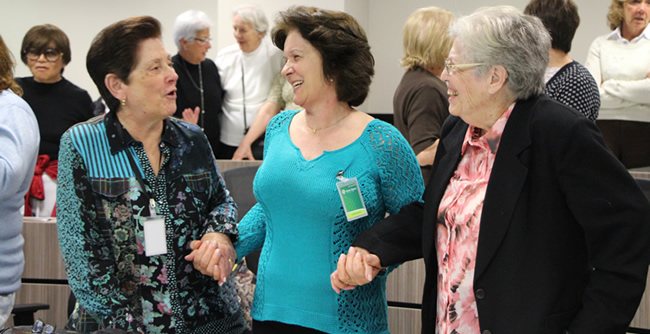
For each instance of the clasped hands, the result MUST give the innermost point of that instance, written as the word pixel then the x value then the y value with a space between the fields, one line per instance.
pixel 213 255
pixel 358 267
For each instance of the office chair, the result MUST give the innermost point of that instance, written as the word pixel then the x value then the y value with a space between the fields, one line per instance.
pixel 24 313
pixel 239 181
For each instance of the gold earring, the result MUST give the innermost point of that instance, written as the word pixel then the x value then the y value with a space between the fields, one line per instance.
pixel 123 102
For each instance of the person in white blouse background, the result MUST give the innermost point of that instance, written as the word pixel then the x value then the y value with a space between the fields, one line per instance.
pixel 620 64
pixel 247 70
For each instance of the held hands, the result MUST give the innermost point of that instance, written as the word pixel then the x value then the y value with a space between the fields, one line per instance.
pixel 358 267
pixel 213 255
pixel 191 116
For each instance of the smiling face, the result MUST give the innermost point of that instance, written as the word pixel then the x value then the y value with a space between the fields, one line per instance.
pixel 45 71
pixel 246 35
pixel 304 71
pixel 636 14
pixel 152 83
pixel 195 50
pixel 468 92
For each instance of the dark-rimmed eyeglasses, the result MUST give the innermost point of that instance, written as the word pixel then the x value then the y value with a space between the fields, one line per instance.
pixel 449 67
pixel 203 40
pixel 50 54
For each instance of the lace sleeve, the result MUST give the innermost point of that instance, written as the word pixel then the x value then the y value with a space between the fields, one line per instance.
pixel 401 178
pixel 252 231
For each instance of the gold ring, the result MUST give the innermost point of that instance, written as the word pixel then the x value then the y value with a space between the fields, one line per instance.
pixel 347 282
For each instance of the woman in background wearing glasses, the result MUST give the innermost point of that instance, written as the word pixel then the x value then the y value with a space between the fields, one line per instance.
pixel 199 85
pixel 57 103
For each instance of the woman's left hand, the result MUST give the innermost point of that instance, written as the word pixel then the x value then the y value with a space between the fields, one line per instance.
pixel 191 116
pixel 213 255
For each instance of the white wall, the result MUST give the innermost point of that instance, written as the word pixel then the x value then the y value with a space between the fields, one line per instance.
pixel 382 19
pixel 385 35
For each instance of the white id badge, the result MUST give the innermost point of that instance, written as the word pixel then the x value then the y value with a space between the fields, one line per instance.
pixel 352 199
pixel 155 240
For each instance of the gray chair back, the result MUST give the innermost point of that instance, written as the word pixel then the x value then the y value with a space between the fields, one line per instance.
pixel 239 182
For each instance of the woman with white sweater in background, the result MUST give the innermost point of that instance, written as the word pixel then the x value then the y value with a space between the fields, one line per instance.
pixel 620 64
pixel 247 70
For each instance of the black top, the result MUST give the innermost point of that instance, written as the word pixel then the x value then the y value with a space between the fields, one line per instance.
pixel 420 107
pixel 57 107
pixel 574 86
pixel 189 95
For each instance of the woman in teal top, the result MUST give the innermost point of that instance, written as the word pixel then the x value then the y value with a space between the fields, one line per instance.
pixel 300 221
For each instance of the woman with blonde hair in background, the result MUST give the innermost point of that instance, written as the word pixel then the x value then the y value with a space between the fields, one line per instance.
pixel 420 101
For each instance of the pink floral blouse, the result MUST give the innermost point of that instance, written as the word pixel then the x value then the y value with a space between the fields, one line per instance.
pixel 457 230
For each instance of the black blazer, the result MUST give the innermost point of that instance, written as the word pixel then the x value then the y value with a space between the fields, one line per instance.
pixel 564 241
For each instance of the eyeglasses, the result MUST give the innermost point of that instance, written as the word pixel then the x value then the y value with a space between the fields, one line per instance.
pixel 450 67
pixel 203 40
pixel 51 55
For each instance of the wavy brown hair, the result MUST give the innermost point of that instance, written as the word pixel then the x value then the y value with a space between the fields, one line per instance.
pixel 342 44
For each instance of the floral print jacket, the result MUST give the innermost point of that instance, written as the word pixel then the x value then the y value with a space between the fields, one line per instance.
pixel 101 209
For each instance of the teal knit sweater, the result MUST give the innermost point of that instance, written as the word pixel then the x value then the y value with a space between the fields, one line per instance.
pixel 300 222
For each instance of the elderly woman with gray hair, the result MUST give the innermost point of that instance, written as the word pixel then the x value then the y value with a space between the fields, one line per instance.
pixel 247 71
pixel 529 224
pixel 199 95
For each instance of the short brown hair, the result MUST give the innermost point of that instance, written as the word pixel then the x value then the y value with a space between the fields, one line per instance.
pixel 615 14
pixel 7 70
pixel 425 38
pixel 38 38
pixel 115 50
pixel 342 44
pixel 561 19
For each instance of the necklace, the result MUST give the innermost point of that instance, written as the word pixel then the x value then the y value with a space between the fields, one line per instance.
pixel 329 126
pixel 199 87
